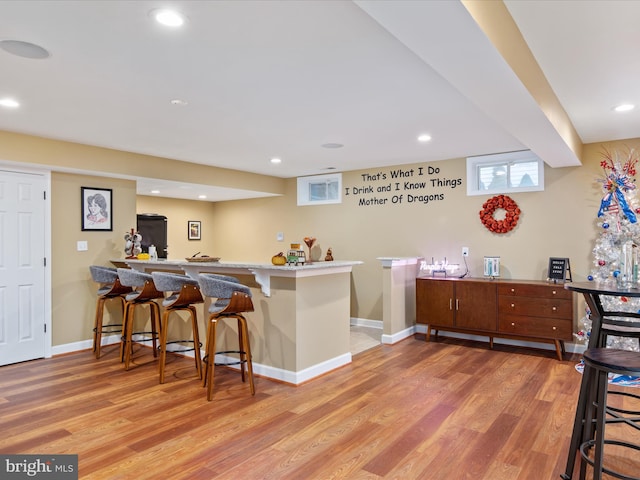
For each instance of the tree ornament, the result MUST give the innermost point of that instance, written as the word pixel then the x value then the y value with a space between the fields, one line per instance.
pixel 602 263
pixel 590 278
pixel 605 225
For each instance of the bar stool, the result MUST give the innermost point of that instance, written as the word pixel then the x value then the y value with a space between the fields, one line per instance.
pixel 599 363
pixel 184 293
pixel 232 300
pixel 145 293
pixel 110 288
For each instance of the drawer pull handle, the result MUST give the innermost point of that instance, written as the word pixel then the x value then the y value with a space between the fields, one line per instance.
pixel 513 305
pixel 553 328
pixel 554 292
pixel 513 324
pixel 554 308
pixel 513 290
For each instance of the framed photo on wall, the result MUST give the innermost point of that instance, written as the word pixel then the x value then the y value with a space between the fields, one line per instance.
pixel 97 208
pixel 193 229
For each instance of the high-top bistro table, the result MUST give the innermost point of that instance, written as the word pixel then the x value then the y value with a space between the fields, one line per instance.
pixel 604 323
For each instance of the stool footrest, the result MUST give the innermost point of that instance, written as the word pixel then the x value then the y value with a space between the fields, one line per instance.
pixel 590 443
pixel 182 350
pixel 140 339
pixel 110 328
pixel 221 364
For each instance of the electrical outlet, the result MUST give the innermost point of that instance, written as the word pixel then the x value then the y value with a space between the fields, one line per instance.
pixel 465 251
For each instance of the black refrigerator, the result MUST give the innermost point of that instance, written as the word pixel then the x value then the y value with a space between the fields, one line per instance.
pixel 153 228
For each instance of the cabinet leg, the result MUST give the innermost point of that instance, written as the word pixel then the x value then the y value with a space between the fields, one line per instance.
pixel 428 336
pixel 491 343
pixel 559 349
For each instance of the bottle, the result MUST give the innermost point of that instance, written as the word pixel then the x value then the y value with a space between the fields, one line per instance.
pixel 153 254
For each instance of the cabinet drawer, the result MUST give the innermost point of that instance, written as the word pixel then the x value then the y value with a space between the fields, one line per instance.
pixel 556 328
pixel 530 290
pixel 535 307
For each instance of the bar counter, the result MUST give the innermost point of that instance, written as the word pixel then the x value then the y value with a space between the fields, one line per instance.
pixel 300 327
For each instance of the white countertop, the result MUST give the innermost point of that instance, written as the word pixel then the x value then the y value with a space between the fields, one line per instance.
pixel 245 265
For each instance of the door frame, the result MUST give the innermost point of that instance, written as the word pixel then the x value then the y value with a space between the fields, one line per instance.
pixel 21 168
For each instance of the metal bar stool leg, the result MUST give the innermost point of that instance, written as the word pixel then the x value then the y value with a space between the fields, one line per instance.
pixel 578 427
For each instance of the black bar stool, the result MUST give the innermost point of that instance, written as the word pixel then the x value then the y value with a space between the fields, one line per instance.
pixel 606 323
pixel 110 288
pixel 232 300
pixel 145 293
pixel 599 363
pixel 184 293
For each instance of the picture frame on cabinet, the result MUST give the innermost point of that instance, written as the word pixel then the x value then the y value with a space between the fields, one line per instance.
pixel 559 270
pixel 194 229
pixel 96 209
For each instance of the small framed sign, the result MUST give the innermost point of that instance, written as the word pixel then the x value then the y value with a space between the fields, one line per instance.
pixel 559 270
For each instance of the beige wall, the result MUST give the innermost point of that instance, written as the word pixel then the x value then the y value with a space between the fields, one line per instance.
pixel 561 221
pixel 558 222
pixel 73 292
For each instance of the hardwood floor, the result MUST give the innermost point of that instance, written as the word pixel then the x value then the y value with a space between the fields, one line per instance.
pixel 447 410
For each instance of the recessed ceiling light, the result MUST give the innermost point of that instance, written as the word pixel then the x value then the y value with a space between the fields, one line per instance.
pixel 625 107
pixel 155 192
pixel 9 103
pixel 275 161
pixel 202 197
pixel 180 103
pixel 168 18
pixel 332 145
pixel 424 137
pixel 24 49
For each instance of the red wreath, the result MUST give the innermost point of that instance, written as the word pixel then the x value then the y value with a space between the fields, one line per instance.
pixel 509 221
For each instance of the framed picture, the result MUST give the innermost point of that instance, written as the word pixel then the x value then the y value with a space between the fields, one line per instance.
pixel 193 229
pixel 97 208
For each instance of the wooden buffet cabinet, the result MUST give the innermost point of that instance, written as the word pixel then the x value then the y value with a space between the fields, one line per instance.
pixel 518 309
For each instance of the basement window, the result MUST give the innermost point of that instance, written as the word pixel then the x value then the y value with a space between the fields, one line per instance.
pixel 505 173
pixel 320 189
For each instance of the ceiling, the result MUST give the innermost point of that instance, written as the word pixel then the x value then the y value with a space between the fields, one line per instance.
pixel 264 79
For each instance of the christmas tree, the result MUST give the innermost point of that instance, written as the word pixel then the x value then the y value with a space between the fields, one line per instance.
pixel 617 250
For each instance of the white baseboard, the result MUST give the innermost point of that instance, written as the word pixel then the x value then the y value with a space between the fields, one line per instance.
pixel 398 336
pixel 365 322
pixel 287 376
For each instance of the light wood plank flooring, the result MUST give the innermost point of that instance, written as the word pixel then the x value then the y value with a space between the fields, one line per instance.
pixel 442 410
pixel 363 338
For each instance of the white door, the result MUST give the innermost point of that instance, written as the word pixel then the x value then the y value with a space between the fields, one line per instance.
pixel 22 270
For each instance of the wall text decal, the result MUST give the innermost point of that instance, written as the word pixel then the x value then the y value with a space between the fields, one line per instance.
pixel 416 185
